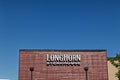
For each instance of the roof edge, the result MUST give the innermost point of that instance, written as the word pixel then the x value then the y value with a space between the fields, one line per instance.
pixel 109 58
pixel 61 50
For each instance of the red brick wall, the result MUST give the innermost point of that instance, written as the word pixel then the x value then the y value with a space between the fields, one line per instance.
pixel 95 59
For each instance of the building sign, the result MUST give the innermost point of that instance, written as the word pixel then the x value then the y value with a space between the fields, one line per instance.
pixel 63 59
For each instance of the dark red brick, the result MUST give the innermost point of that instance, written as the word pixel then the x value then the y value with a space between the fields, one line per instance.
pixel 96 60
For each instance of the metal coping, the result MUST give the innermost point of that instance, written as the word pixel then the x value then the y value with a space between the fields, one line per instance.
pixel 66 50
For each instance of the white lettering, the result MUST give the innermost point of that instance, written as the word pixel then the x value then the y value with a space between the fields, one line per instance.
pixel 63 59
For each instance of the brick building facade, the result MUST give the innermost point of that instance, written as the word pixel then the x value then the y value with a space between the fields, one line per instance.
pixel 95 60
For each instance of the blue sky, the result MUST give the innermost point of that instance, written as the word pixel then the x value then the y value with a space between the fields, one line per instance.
pixel 56 24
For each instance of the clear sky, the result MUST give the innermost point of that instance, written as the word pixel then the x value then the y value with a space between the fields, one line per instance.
pixel 56 24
